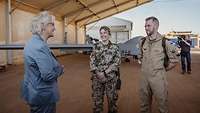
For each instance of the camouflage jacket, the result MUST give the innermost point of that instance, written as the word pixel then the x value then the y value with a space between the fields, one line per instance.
pixel 105 58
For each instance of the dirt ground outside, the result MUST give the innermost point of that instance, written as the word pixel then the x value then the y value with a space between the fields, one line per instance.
pixel 75 88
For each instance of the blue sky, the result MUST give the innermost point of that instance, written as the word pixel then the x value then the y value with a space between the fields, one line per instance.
pixel 177 15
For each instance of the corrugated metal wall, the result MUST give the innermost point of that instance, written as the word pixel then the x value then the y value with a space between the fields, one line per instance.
pixel 2 31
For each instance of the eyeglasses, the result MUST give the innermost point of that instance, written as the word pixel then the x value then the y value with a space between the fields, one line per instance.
pixel 51 23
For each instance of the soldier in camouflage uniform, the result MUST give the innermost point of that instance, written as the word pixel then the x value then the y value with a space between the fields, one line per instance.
pixel 153 79
pixel 104 62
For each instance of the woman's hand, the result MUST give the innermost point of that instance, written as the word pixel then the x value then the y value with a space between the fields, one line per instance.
pixel 101 76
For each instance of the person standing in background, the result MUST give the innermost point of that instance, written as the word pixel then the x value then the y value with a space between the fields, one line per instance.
pixel 185 44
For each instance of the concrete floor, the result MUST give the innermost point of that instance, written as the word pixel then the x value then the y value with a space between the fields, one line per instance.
pixel 75 89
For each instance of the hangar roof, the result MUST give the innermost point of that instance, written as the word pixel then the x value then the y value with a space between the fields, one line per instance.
pixel 85 11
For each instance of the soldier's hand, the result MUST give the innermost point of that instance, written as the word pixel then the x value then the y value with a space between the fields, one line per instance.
pixel 101 76
pixel 139 61
pixel 170 66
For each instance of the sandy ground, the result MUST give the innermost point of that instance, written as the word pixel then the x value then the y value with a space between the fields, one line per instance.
pixel 75 89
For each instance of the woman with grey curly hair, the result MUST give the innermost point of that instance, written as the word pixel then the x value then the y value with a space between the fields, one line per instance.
pixel 43 24
pixel 41 69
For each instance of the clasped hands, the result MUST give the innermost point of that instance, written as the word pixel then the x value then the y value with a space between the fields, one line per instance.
pixel 101 76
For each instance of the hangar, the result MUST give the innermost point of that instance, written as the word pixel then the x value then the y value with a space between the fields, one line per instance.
pixel 72 16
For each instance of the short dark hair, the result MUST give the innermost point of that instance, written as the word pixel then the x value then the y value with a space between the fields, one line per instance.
pixel 153 18
pixel 106 29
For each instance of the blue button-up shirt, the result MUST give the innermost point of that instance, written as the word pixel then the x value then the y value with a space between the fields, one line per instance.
pixel 41 72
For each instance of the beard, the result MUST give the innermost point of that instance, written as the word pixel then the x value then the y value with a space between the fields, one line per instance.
pixel 149 33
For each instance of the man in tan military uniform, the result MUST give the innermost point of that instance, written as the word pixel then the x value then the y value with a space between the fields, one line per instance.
pixel 153 79
pixel 104 63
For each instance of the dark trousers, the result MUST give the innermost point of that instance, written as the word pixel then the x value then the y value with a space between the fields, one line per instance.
pixel 186 56
pixel 49 108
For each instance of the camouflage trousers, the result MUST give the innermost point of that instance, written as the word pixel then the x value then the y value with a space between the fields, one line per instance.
pixel 153 83
pixel 99 89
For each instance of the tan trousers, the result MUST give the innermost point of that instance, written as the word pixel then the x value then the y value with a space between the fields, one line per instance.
pixel 153 84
